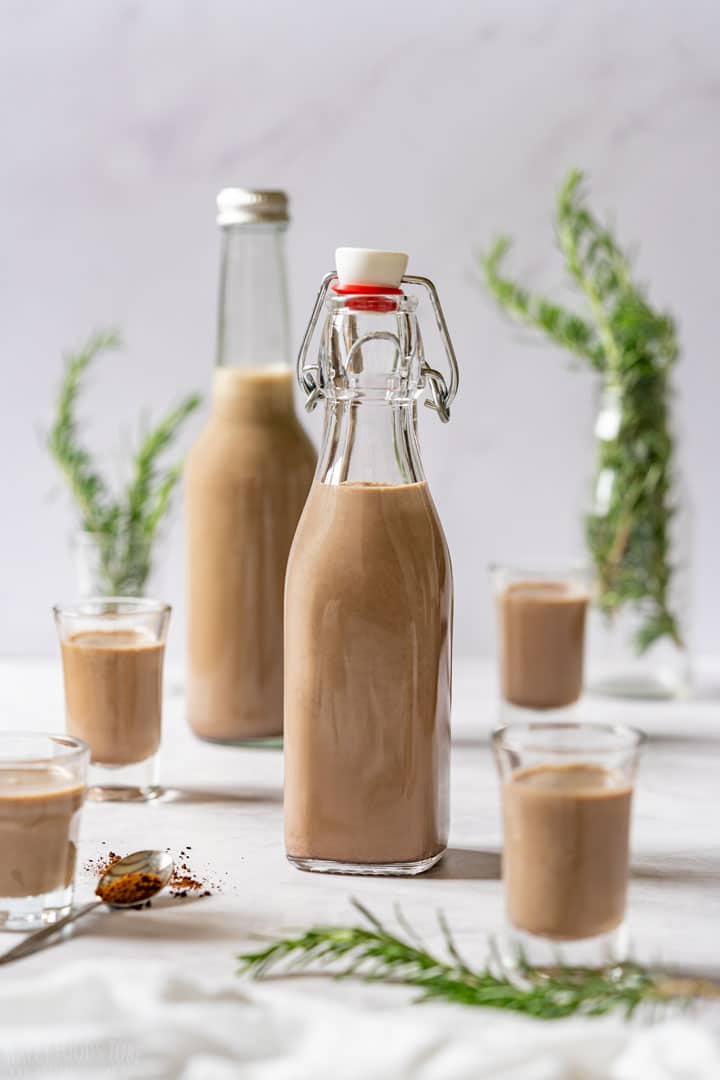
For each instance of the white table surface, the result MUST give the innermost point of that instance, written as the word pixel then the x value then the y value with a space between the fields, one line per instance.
pixel 226 804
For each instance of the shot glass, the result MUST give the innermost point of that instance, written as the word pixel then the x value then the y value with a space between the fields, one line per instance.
pixel 42 790
pixel 541 616
pixel 112 654
pixel 566 798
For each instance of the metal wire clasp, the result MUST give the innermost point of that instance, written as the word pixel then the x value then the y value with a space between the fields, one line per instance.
pixel 442 395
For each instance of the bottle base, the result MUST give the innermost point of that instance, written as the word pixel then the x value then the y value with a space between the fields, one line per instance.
pixel 392 869
pixel 259 742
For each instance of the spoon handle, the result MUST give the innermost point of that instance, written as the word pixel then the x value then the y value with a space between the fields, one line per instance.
pixel 37 940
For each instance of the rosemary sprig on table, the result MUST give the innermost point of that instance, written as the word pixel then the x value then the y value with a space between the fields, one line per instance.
pixel 124 528
pixel 373 953
pixel 634 347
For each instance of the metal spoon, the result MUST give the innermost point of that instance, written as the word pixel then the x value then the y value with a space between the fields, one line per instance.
pixel 158 863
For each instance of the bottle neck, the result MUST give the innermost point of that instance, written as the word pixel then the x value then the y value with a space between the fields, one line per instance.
pixel 253 316
pixel 370 442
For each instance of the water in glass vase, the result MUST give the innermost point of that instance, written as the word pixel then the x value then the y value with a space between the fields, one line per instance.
pixel 637 536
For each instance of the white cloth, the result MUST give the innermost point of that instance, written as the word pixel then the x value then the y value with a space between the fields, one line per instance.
pixel 152 1023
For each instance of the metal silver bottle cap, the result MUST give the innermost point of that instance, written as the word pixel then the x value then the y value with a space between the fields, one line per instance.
pixel 243 206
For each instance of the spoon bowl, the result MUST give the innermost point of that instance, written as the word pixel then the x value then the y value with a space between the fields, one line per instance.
pixel 157 863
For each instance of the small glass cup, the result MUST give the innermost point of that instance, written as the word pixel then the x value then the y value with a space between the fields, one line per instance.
pixel 541 615
pixel 112 653
pixel 566 797
pixel 42 789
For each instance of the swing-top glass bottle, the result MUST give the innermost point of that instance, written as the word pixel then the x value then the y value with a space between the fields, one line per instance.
pixel 368 602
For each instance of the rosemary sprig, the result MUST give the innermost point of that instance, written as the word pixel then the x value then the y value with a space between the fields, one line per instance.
pixel 634 347
pixel 373 953
pixel 86 484
pixel 124 528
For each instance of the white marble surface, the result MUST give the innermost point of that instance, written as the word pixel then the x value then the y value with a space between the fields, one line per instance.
pixel 415 125
pixel 226 804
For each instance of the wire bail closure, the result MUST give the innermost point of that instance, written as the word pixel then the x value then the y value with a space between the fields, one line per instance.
pixel 441 395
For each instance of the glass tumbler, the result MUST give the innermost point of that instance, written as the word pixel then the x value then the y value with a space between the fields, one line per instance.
pixel 541 616
pixel 42 789
pixel 566 798
pixel 112 654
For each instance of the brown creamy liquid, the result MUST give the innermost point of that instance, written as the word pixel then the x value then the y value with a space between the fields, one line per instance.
pixel 246 481
pixel 368 626
pixel 566 850
pixel 541 637
pixel 113 693
pixel 38 830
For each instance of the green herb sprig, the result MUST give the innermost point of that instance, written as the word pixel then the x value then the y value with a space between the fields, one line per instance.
pixel 634 347
pixel 124 528
pixel 373 953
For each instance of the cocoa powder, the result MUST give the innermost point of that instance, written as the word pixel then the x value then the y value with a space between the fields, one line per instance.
pixel 184 883
pixel 131 889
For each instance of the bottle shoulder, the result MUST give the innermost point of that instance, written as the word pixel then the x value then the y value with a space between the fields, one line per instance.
pixel 238 446
pixel 380 562
pixel 365 521
pixel 247 433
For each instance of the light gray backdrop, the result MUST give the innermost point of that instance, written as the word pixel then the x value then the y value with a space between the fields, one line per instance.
pixel 421 125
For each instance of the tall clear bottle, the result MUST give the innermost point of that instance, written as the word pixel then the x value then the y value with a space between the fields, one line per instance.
pixel 246 480
pixel 368 602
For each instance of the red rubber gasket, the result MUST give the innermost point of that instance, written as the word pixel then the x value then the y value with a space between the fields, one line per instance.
pixel 366 290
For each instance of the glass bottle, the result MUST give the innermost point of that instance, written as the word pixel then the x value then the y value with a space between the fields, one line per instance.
pixel 246 480
pixel 369 597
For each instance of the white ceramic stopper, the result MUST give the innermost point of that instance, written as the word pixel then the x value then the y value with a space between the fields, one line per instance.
pixel 368 266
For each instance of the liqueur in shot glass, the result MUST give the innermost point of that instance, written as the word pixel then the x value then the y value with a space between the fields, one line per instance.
pixel 541 615
pixel 112 652
pixel 567 797
pixel 42 790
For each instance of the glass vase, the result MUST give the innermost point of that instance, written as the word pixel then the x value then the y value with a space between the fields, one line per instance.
pixel 99 572
pixel 637 537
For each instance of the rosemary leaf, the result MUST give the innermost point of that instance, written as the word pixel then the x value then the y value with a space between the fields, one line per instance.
pixel 564 328
pixel 73 459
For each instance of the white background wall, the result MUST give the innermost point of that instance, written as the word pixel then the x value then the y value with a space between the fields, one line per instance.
pixel 421 125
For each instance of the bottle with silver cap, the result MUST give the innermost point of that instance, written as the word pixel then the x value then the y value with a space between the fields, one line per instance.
pixel 369 596
pixel 246 479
